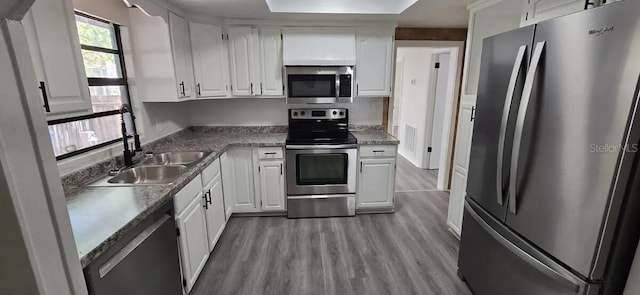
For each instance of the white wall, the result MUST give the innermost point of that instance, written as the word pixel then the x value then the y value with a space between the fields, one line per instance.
pixel 153 120
pixel 272 111
pixel 415 84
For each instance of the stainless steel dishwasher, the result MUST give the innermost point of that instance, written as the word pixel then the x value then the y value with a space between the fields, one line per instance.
pixel 145 261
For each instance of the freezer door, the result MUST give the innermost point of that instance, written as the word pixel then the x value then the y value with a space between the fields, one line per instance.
pixel 569 132
pixel 493 260
pixel 502 70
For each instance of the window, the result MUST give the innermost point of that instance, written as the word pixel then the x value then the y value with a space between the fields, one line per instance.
pixel 105 70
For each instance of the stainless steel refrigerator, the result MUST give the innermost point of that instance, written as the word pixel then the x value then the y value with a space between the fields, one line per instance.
pixel 553 192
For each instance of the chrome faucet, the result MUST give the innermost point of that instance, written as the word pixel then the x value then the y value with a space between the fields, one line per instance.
pixel 129 152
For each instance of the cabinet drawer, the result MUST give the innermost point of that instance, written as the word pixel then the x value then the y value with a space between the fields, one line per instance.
pixel 210 172
pixel 380 151
pixel 187 194
pixel 270 153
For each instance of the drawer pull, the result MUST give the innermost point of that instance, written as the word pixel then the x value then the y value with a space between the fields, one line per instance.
pixel 270 153
pixel 379 151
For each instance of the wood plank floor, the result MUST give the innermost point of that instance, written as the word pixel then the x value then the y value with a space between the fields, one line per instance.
pixel 408 252
pixel 411 178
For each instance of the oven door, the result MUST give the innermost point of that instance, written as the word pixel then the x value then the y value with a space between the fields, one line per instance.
pixel 321 170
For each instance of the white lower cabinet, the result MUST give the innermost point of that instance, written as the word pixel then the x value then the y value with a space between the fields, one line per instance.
pixel 194 248
pixel 241 184
pixel 272 194
pixel 214 209
pixel 377 177
pixel 228 184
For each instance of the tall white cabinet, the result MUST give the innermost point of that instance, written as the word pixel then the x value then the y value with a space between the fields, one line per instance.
pixel 210 60
pixel 54 47
pixel 256 61
pixel 374 61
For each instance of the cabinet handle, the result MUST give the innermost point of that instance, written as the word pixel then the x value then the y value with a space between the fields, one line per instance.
pixel 261 89
pixel 45 98
pixel 226 87
pixel 182 86
pixel 198 89
pixel 357 89
pixel 360 167
pixel 270 153
pixel 251 85
pixel 205 206
pixel 209 196
pixel 280 168
pixel 379 151
pixel 473 113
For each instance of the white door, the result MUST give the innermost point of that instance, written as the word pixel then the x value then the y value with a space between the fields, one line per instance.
pixel 54 46
pixel 244 196
pixel 193 241
pixel 181 54
pixel 210 62
pixel 271 62
pixel 376 185
pixel 228 184
pixel 214 211
pixel 535 11
pixel 272 185
pixel 439 102
pixel 240 54
pixel 460 167
pixel 374 62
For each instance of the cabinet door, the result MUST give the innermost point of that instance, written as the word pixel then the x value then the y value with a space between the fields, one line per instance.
pixel 271 62
pixel 214 211
pixel 228 185
pixel 210 62
pixel 272 185
pixel 539 10
pixel 181 54
pixel 374 62
pixel 55 50
pixel 193 241
pixel 242 161
pixel 460 168
pixel 376 185
pixel 240 52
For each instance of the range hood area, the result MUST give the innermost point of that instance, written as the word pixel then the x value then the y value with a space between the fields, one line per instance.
pixel 303 46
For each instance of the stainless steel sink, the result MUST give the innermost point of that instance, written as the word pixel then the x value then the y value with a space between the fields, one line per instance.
pixel 174 158
pixel 149 175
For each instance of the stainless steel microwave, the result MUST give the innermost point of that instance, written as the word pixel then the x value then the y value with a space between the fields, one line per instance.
pixel 319 84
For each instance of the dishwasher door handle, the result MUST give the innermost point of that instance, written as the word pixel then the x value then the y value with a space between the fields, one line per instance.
pixel 131 246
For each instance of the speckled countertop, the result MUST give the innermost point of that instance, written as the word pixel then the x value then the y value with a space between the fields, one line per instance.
pixel 100 216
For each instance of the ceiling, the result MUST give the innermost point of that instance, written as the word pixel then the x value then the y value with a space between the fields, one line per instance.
pixel 424 13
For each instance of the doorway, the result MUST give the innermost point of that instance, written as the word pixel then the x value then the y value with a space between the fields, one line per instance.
pixel 421 109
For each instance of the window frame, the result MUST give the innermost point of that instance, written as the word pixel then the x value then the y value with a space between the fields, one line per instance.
pixel 101 82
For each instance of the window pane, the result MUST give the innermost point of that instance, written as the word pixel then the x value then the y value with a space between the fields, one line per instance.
pixel 72 136
pixel 95 33
pixel 107 98
pixel 101 64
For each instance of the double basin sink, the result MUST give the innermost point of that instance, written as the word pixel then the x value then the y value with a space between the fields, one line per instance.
pixel 156 169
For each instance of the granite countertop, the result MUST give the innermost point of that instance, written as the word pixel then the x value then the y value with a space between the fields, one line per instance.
pixel 100 216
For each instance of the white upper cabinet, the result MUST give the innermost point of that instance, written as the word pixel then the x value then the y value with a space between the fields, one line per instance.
pixel 181 55
pixel 374 61
pixel 210 61
pixel 241 60
pixel 319 46
pixel 535 11
pixel 55 50
pixel 271 62
pixel 272 191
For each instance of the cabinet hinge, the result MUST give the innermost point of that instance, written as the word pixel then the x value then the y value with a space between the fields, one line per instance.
pixel 184 282
pixel 429 149
pixel 437 65
pixel 177 231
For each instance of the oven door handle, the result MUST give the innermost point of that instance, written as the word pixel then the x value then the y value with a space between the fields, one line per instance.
pixel 321 147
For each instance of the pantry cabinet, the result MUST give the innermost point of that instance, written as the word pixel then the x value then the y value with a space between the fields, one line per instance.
pixel 210 60
pixel 54 47
pixel 374 61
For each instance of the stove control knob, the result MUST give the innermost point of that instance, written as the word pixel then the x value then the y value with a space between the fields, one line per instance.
pixel 335 113
pixel 295 114
pixel 341 113
pixel 302 113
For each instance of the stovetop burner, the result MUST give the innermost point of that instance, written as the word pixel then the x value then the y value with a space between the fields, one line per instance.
pixel 319 127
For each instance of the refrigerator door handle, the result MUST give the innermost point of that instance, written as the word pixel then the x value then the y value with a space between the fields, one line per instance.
pixel 515 73
pixel 554 274
pixel 522 114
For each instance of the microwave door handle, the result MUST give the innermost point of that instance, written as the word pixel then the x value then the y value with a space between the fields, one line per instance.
pixel 337 87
